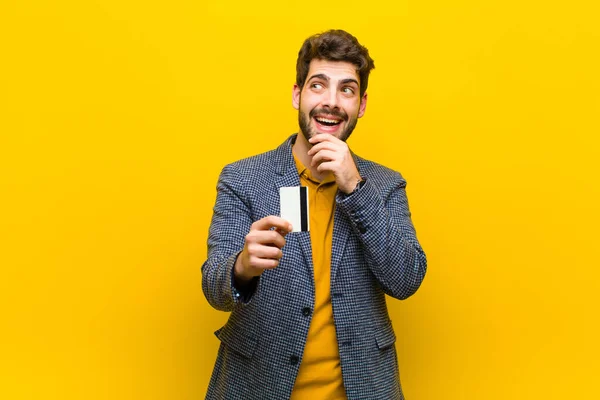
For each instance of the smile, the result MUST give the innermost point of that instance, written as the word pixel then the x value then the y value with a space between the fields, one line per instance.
pixel 328 121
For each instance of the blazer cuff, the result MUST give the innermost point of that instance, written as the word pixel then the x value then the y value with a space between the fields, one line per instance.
pixel 358 205
pixel 242 293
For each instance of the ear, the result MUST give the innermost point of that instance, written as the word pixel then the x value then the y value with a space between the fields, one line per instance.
pixel 296 96
pixel 363 105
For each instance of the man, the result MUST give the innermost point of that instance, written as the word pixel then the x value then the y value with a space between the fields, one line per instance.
pixel 308 312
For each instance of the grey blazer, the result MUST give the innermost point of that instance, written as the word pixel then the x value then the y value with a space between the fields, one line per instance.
pixel 375 252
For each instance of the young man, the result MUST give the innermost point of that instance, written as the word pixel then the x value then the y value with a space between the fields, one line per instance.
pixel 308 312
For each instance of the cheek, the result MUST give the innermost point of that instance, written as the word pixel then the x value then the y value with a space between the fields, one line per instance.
pixel 310 100
pixel 308 103
pixel 352 109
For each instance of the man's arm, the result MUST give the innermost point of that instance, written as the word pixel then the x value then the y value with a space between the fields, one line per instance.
pixel 386 231
pixel 239 251
pixel 383 225
pixel 230 222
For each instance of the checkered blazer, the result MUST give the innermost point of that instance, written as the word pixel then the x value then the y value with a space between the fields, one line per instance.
pixel 375 252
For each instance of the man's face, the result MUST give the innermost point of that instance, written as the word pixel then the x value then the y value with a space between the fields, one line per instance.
pixel 330 100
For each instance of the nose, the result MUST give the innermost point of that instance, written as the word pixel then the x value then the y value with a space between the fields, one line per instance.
pixel 331 98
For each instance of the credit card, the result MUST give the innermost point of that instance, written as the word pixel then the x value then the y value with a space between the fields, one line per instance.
pixel 293 206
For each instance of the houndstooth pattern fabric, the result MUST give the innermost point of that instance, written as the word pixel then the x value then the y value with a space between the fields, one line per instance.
pixel 375 252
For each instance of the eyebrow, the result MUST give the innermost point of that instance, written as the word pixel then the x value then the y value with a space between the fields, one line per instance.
pixel 319 76
pixel 349 80
pixel 326 78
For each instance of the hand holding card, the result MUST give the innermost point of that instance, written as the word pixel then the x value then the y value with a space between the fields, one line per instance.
pixel 262 248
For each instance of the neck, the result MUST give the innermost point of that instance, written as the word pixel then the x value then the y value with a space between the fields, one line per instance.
pixel 300 150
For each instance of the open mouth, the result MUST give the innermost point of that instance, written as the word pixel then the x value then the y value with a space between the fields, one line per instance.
pixel 328 121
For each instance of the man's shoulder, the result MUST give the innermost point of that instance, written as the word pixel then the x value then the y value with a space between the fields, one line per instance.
pixel 260 161
pixel 266 163
pixel 378 172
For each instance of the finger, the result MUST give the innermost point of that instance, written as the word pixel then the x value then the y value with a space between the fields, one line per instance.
pixel 266 238
pixel 269 252
pixel 272 221
pixel 329 166
pixel 321 146
pixel 323 137
pixel 263 263
pixel 324 156
pixel 277 239
pixel 282 233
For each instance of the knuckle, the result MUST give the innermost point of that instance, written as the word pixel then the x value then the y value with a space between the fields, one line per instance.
pixel 252 248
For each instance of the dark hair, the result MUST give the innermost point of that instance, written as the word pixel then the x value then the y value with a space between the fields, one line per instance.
pixel 334 45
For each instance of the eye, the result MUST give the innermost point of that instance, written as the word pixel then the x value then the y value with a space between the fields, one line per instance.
pixel 316 86
pixel 347 90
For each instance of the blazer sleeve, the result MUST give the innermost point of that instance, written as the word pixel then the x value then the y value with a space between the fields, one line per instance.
pixel 230 223
pixel 385 229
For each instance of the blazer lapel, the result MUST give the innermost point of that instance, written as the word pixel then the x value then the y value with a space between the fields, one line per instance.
pixel 341 231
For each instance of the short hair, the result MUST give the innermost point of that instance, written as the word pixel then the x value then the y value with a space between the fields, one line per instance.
pixel 334 45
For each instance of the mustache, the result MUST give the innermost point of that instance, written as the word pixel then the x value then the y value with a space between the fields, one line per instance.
pixel 335 113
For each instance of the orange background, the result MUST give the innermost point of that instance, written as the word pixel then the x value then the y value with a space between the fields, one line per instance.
pixel 117 116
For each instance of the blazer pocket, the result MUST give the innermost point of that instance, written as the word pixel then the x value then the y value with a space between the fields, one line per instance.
pixel 235 339
pixel 385 336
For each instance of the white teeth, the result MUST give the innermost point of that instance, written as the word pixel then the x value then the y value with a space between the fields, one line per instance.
pixel 329 121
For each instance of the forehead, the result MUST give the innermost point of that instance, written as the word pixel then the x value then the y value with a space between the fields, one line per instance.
pixel 333 69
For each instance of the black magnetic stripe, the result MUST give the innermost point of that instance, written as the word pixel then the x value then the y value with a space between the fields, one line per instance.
pixel 303 209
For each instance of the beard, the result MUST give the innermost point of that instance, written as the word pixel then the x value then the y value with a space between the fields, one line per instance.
pixel 308 131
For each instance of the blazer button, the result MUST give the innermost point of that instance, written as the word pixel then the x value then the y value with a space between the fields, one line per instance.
pixel 294 360
pixel 306 311
pixel 361 228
